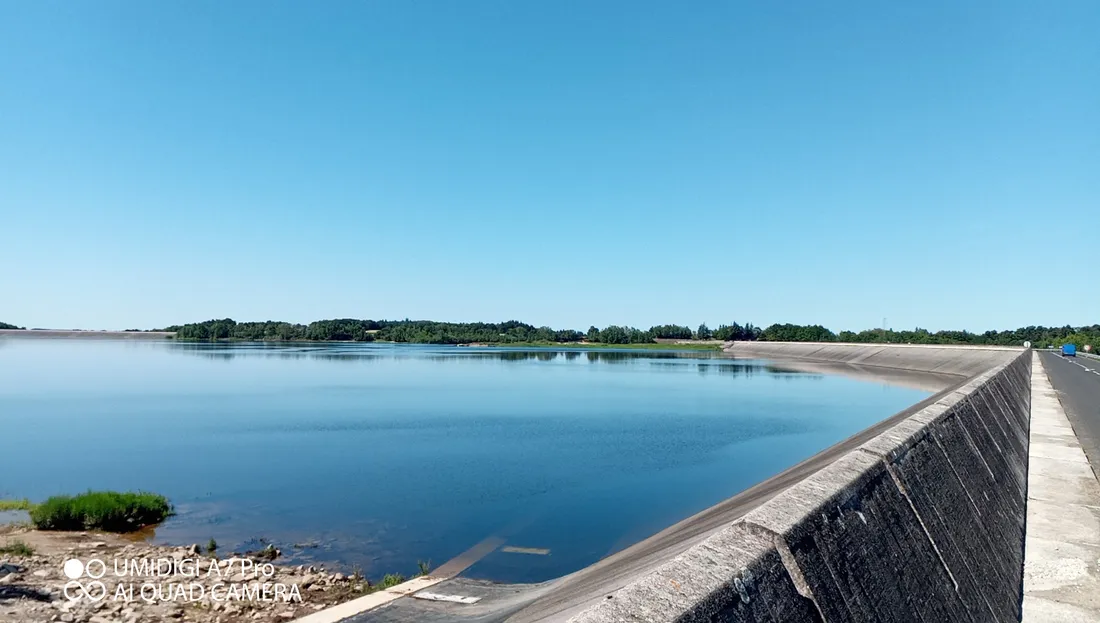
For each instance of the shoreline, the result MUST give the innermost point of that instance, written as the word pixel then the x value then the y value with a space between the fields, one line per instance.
pixel 89 334
pixel 710 345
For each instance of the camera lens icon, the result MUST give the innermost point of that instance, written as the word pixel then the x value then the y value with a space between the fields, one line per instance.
pixel 73 568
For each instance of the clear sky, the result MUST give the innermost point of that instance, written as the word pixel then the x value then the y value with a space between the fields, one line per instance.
pixel 564 163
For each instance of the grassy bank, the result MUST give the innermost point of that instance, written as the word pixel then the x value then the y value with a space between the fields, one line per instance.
pixel 109 511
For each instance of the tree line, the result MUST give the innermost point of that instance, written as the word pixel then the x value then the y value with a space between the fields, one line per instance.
pixel 4 325
pixel 431 332
pixel 514 332
pixel 349 329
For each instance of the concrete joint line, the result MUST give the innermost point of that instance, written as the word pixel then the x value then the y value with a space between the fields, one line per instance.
pixel 920 520
pixel 878 455
pixel 790 563
pixel 795 573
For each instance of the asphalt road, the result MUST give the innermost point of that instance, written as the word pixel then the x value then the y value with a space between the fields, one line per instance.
pixel 1077 381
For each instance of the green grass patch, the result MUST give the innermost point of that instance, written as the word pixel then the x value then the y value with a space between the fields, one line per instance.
pixel 109 511
pixel 16 505
pixel 16 547
pixel 389 580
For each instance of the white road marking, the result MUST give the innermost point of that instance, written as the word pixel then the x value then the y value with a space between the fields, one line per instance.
pixel 458 599
pixel 1081 365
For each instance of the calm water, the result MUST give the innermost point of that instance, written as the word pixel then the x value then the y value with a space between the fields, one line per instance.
pixel 381 455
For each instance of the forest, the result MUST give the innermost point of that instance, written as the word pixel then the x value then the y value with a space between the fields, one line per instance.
pixel 515 332
pixel 4 325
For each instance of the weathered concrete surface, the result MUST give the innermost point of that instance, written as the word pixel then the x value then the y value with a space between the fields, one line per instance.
pixel 1062 568
pixel 955 360
pixel 924 522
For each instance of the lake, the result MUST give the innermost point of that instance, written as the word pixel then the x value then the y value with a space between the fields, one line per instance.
pixel 378 456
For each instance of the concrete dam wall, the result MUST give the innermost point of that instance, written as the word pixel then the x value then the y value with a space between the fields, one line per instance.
pixel 923 522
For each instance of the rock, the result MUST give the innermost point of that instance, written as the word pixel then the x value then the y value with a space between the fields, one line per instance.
pixel 41 573
pixel 8 579
pixel 194 549
pixel 286 616
pixel 99 619
pixel 66 617
pixel 339 577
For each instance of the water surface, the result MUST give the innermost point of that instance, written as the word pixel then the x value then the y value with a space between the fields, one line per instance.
pixel 379 456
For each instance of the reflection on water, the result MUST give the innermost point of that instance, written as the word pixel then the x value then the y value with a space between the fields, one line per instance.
pixel 705 362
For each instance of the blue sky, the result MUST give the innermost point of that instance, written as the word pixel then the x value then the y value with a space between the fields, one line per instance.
pixel 562 163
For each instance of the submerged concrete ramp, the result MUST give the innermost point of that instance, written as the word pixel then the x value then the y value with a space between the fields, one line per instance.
pixel 923 522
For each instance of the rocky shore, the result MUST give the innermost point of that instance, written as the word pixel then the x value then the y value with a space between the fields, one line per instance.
pixel 86 577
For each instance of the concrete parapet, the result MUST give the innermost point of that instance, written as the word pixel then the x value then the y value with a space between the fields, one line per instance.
pixel 924 522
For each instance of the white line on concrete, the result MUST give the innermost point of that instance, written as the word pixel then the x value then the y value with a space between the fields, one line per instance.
pixel 458 599
pixel 1062 545
pixel 537 551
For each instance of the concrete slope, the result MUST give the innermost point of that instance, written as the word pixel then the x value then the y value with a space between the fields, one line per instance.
pixel 964 361
pixel 924 522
